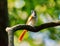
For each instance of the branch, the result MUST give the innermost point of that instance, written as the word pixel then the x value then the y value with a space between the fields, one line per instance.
pixel 47 25
pixel 11 30
pixel 33 29
pixel 21 27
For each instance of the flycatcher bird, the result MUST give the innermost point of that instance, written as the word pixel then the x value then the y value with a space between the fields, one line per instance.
pixel 31 21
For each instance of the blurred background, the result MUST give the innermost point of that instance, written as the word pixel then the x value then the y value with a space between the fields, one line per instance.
pixel 47 11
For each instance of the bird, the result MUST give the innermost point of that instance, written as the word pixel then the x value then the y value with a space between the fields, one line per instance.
pixel 31 21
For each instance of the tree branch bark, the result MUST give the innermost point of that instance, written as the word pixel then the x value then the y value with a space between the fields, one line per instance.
pixel 13 29
pixel 47 25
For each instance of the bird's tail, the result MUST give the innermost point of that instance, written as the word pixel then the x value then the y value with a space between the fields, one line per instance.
pixel 22 35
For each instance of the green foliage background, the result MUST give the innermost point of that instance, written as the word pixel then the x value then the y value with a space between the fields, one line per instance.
pixel 47 11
